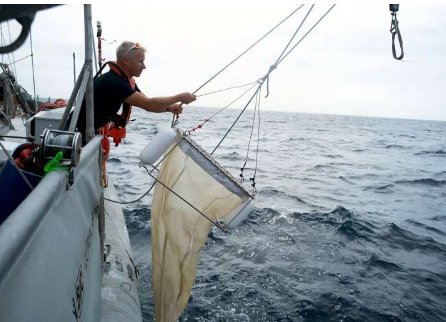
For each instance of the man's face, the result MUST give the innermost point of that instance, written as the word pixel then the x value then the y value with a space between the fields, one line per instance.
pixel 135 62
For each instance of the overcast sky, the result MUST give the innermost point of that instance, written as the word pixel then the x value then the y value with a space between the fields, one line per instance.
pixel 344 66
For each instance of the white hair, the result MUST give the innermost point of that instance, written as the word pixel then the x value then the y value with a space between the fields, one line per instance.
pixel 123 49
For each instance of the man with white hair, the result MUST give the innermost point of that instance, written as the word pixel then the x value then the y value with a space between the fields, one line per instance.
pixel 117 87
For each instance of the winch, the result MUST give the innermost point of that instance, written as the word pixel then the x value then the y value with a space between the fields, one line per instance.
pixel 54 141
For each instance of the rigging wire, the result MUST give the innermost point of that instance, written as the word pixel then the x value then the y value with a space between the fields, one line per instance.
pixel 242 179
pixel 226 89
pixel 328 11
pixel 253 179
pixel 222 109
pixel 239 56
pixel 4 42
pixel 32 64
pixel 243 110
pixel 20 60
pixel 274 66
pixel 271 69
pixel 295 33
pixel 10 41
pixel 256 109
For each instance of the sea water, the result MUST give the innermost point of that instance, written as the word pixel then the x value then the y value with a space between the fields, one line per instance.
pixel 349 224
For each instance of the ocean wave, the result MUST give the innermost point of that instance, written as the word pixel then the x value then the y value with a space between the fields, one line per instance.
pixel 334 218
pixel 321 167
pixel 364 176
pixel 360 150
pixel 332 307
pixel 346 180
pixel 271 192
pixel 424 181
pixel 400 238
pixel 291 140
pixel 283 238
pixel 114 160
pixel 396 146
pixel 407 136
pixel 333 156
pixel 439 218
pixel 353 230
pixel 432 152
pixel 387 188
pixel 232 156
pixel 427 227
pixel 137 218
pixel 376 262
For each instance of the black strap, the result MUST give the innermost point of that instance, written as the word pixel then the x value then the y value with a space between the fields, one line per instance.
pixel 395 31
pixel 123 74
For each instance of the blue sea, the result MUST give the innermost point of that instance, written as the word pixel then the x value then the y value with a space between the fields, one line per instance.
pixel 349 224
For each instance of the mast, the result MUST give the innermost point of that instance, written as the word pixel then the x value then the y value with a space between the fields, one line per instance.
pixel 89 132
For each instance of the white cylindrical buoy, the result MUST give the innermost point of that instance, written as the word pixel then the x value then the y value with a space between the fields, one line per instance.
pixel 156 148
pixel 239 214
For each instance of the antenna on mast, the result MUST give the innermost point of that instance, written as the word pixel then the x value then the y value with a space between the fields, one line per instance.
pixel 99 35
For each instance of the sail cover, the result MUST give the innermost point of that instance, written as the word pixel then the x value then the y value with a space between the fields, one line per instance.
pixel 178 230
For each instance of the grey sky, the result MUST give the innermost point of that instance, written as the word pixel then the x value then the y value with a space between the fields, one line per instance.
pixel 344 66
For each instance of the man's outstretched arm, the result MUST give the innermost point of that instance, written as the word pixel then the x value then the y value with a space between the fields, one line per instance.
pixel 160 104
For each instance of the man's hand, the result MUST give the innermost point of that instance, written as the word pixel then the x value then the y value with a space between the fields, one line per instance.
pixel 186 98
pixel 175 109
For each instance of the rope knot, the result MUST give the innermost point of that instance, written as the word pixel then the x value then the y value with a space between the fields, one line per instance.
pixel 266 78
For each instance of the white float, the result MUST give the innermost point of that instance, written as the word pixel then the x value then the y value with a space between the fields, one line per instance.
pixel 239 214
pixel 158 146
